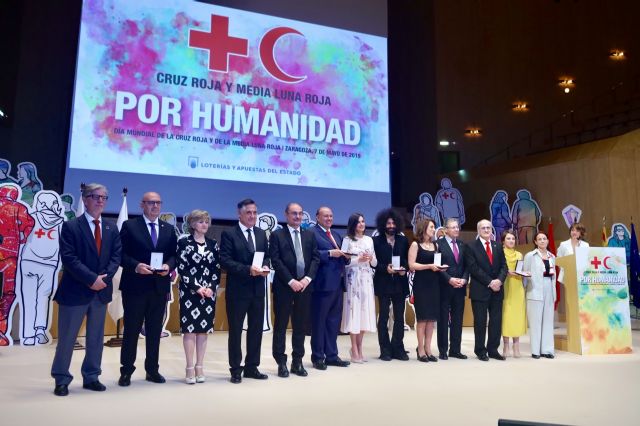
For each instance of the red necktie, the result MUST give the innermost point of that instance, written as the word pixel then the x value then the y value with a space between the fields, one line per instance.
pixel 98 235
pixel 488 249
pixel 331 238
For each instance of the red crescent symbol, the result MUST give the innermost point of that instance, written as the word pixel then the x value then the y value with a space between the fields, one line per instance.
pixel 49 233
pixel 604 262
pixel 267 46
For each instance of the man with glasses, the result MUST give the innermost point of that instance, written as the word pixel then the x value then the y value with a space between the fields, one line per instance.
pixel 91 252
pixel 453 288
pixel 487 267
pixel 294 255
pixel 148 256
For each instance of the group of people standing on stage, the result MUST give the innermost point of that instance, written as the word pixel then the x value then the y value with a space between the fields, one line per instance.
pixel 319 279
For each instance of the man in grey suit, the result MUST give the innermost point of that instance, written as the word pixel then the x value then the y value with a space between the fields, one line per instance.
pixel 90 249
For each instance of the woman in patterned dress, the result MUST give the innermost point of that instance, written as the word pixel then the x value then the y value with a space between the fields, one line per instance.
pixel 199 270
pixel 359 308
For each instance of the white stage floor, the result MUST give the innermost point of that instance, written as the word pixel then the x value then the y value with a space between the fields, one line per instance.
pixel 571 389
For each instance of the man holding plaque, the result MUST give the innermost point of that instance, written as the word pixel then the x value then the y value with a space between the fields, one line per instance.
pixel 148 256
pixel 390 282
pixel 295 258
pixel 326 299
pixel 244 254
pixel 453 288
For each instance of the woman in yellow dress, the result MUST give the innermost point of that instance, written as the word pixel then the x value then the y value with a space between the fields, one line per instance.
pixel 514 319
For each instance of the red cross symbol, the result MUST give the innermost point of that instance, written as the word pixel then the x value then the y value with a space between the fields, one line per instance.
pixel 40 233
pixel 219 44
pixel 595 262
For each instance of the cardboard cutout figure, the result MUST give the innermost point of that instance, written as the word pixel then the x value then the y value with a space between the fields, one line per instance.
pixel 571 215
pixel 67 203
pixel 39 265
pixel 525 217
pixel 29 182
pixel 449 202
pixel 307 221
pixel 620 237
pixel 500 213
pixel 425 209
pixel 5 168
pixel 15 227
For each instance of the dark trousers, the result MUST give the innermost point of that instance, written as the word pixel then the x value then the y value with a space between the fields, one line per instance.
pixel 237 310
pixel 451 307
pixel 326 311
pixel 480 308
pixel 395 346
pixel 69 322
pixel 139 308
pixel 295 305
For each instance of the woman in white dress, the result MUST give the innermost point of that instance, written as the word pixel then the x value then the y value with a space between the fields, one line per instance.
pixel 577 231
pixel 359 308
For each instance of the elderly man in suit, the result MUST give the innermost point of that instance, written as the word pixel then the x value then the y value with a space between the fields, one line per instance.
pixel 453 288
pixel 294 256
pixel 145 286
pixel 326 299
pixel 245 289
pixel 90 250
pixel 487 267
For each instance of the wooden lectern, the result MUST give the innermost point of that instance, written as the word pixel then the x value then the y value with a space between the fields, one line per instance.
pixel 571 341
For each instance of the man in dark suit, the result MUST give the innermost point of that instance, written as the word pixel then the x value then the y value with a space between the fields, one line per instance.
pixel 326 299
pixel 453 289
pixel 487 267
pixel 294 256
pixel 245 289
pixel 145 289
pixel 90 250
pixel 391 285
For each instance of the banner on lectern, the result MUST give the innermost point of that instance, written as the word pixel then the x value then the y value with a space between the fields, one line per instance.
pixel 603 294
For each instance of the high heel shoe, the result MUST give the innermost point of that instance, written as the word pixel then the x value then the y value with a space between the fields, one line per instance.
pixel 190 379
pixel 422 358
pixel 354 359
pixel 199 377
pixel 432 358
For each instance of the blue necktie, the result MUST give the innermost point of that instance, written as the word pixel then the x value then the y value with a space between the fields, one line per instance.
pixel 154 234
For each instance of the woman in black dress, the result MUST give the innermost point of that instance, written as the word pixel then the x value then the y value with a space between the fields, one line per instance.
pixel 199 270
pixel 426 286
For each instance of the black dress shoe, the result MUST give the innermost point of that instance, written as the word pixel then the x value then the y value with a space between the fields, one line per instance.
pixel 385 357
pixel 497 356
pixel 457 355
pixel 443 356
pixel 235 378
pixel 432 358
pixel 124 380
pixel 155 378
pixel 534 356
pixel 483 357
pixel 298 369
pixel 401 356
pixel 550 356
pixel 95 386
pixel 283 371
pixel 255 374
pixel 61 390
pixel 338 363
pixel 423 358
pixel 319 365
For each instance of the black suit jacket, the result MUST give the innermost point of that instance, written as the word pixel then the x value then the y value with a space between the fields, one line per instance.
pixel 283 257
pixel 383 282
pixel 81 262
pixel 456 269
pixel 236 258
pixel 137 248
pixel 482 272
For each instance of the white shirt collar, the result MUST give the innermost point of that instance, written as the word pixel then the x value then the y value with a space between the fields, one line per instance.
pixel 90 218
pixel 148 221
pixel 322 227
pixel 292 229
pixel 244 228
pixel 484 242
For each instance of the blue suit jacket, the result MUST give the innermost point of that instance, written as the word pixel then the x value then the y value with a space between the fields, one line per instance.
pixel 81 262
pixel 331 269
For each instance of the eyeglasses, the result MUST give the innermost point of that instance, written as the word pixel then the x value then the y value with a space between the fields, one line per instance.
pixel 153 203
pixel 485 227
pixel 453 227
pixel 96 197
